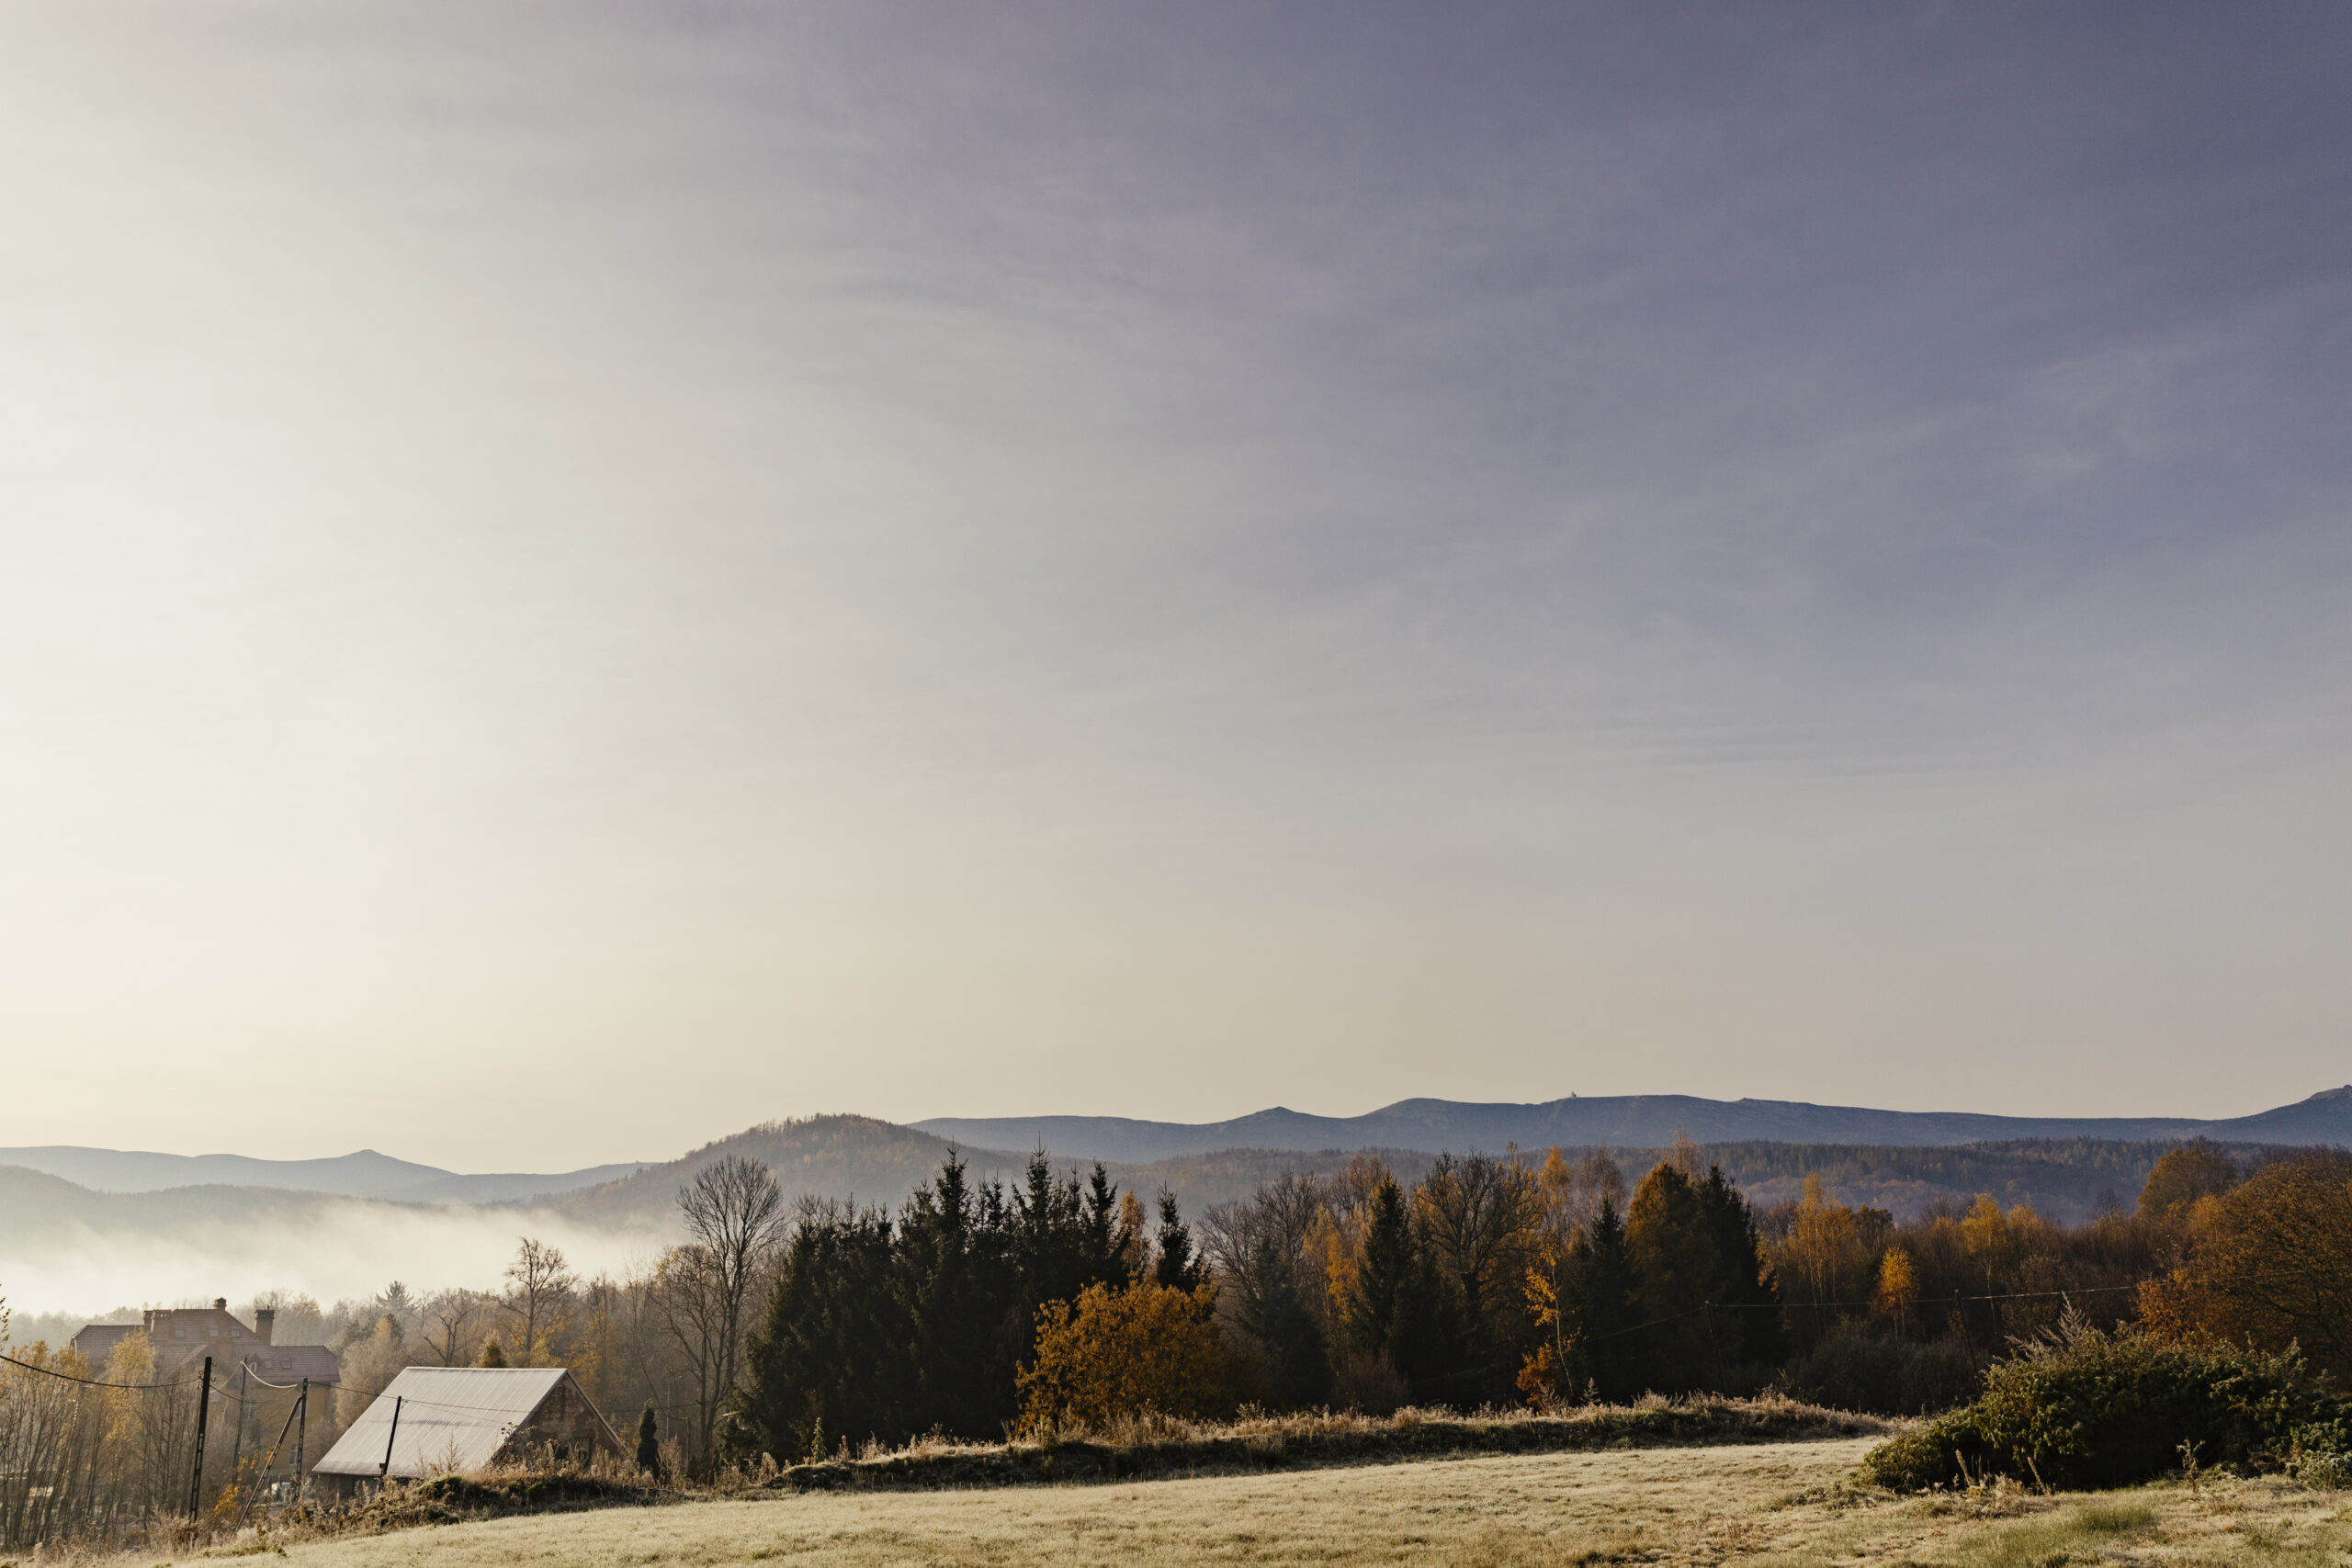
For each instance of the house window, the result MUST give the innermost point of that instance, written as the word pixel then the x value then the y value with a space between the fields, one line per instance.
pixel 179 1333
pixel 213 1332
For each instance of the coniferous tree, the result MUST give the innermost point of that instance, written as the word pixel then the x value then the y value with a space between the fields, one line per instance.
pixel 1675 1278
pixel 493 1354
pixel 649 1442
pixel 829 1361
pixel 961 1307
pixel 1748 1327
pixel 1603 1276
pixel 1370 1311
pixel 1176 1266
pixel 1430 1343
pixel 1049 1248
pixel 1105 1235
pixel 1275 1313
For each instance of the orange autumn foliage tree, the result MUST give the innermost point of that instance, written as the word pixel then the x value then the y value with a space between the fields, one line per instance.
pixel 2196 1170
pixel 1898 1284
pixel 1113 1353
pixel 2270 1264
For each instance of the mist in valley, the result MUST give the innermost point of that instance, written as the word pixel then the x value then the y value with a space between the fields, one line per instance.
pixel 157 1252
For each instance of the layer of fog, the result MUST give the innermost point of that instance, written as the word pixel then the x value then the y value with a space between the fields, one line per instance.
pixel 352 1249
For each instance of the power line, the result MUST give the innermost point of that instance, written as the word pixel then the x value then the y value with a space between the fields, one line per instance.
pixel 95 1382
pixel 413 1399
pixel 1907 1301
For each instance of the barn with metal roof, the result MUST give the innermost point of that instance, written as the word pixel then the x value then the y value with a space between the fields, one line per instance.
pixel 443 1420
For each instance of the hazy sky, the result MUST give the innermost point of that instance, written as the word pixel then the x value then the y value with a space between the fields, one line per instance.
pixel 579 576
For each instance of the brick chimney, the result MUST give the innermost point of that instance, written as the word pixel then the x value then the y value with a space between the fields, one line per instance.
pixel 264 1321
pixel 220 1303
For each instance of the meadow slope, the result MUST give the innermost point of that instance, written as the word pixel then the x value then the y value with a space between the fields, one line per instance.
pixel 1782 1503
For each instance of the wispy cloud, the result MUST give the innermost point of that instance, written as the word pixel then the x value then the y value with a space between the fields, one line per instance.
pixel 877 558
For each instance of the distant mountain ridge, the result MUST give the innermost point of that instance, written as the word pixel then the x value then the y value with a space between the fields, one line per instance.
pixel 363 1174
pixel 862 1161
pixel 1620 1120
pixel 66 1244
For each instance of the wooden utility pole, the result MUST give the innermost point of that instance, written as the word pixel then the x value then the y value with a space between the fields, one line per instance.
pixel 302 1430
pixel 384 1470
pixel 237 1432
pixel 203 1408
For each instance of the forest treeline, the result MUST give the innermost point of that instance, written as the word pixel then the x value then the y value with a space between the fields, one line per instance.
pixel 1492 1279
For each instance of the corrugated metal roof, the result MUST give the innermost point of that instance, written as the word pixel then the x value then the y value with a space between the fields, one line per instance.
pixel 451 1418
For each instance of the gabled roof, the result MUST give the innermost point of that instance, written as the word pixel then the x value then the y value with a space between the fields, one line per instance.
pixel 275 1363
pixel 98 1340
pixel 278 1363
pixel 451 1418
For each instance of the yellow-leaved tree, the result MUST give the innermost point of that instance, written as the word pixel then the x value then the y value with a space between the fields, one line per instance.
pixel 1113 1353
pixel 1898 1287
pixel 1823 1260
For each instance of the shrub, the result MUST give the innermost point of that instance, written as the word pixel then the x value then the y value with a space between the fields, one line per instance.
pixel 2080 1408
pixel 1115 1353
pixel 1855 1367
pixel 2321 1458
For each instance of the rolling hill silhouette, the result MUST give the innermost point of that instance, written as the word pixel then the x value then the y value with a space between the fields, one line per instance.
pixel 1623 1121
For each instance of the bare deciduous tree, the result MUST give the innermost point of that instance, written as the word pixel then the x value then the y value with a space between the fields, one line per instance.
pixel 539 1285
pixel 450 1317
pixel 736 1214
pixel 685 1296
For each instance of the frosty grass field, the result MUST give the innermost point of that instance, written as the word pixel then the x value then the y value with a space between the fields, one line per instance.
pixel 1762 1504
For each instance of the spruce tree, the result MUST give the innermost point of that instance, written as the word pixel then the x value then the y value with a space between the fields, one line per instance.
pixel 1749 1326
pixel 649 1442
pixel 959 1299
pixel 1176 1267
pixel 831 1354
pixel 1370 1308
pixel 1273 1309
pixel 1677 1283
pixel 1429 1343
pixel 1603 1276
pixel 493 1354
pixel 1104 1240
pixel 1049 1242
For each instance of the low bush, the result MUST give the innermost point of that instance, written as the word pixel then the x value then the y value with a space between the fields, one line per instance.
pixel 2322 1457
pixel 2082 1409
pixel 1857 1367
